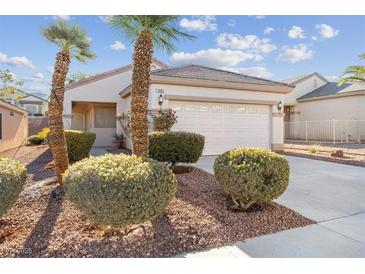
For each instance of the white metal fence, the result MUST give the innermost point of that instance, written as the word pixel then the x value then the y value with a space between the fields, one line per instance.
pixel 325 131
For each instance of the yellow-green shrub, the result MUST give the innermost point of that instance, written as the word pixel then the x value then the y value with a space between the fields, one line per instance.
pixel 120 190
pixel 43 133
pixel 251 175
pixel 78 144
pixel 176 147
pixel 12 178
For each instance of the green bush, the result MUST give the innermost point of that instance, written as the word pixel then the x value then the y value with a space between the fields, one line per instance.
pixel 12 179
pixel 35 140
pixel 176 147
pixel 120 190
pixel 252 176
pixel 78 144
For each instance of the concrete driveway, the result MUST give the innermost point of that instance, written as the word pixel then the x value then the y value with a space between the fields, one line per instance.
pixel 331 194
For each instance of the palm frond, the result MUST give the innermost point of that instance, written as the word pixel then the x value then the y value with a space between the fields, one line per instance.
pixel 351 79
pixel 70 37
pixel 163 29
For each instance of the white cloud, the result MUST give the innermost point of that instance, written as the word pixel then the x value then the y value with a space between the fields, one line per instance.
pixel 247 42
pixel 314 38
pixel 268 30
pixel 36 78
pixel 332 78
pixel 117 45
pixel 199 23
pixel 16 61
pixel 231 23
pixel 326 31
pixel 295 54
pixel 259 71
pixel 260 16
pixel 296 32
pixel 214 57
pixel 63 17
pixel 50 69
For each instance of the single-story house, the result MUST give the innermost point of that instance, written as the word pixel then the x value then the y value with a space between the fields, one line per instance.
pixel 30 102
pixel 229 109
pixel 13 126
pixel 317 102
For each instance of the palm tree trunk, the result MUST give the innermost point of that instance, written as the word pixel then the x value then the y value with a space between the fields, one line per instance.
pixel 142 58
pixel 55 116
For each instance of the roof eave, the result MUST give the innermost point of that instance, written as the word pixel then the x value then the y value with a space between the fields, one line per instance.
pixel 219 84
pixel 331 96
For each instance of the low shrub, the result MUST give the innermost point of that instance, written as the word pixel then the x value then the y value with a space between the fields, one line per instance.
pixel 35 140
pixel 12 180
pixel 43 133
pixel 251 175
pixel 78 144
pixel 313 149
pixel 176 147
pixel 120 190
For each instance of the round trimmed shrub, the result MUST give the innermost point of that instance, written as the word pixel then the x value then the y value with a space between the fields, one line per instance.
pixel 12 179
pixel 251 175
pixel 78 144
pixel 120 190
pixel 176 146
pixel 35 140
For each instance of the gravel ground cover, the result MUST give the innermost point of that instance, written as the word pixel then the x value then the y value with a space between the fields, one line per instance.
pixel 324 154
pixel 40 225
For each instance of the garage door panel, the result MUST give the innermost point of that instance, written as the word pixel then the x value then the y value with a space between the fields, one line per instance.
pixel 225 126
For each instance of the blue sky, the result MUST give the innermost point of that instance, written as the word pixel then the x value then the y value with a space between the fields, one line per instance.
pixel 275 47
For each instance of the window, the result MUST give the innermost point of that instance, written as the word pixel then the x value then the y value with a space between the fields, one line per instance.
pixel 1 126
pixel 105 117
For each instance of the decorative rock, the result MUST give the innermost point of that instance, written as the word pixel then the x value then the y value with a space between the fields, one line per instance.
pixel 337 153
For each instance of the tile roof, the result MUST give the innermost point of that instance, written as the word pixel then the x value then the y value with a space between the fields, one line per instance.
pixel 106 74
pixel 332 88
pixel 207 73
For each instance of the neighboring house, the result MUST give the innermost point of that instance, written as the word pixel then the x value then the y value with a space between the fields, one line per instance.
pixel 31 103
pixel 316 99
pixel 13 126
pixel 229 109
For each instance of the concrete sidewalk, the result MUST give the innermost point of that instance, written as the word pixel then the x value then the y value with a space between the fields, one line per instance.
pixel 331 194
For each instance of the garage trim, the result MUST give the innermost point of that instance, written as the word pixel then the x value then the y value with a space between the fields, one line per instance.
pixel 218 100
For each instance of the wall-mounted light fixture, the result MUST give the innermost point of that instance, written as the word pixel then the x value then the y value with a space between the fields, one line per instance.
pixel 160 99
pixel 161 96
pixel 280 105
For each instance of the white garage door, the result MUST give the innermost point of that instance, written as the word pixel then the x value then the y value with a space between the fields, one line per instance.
pixel 225 126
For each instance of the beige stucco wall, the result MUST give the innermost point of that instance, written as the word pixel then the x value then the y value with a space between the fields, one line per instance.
pixel 14 127
pixel 343 108
pixel 107 90
pixel 303 88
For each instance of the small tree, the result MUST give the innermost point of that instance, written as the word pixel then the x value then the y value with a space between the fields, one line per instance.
pixel 147 32
pixel 164 120
pixel 73 43
pixel 9 84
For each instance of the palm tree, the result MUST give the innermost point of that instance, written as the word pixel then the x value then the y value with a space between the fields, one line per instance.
pixel 73 43
pixel 147 32
pixel 354 74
